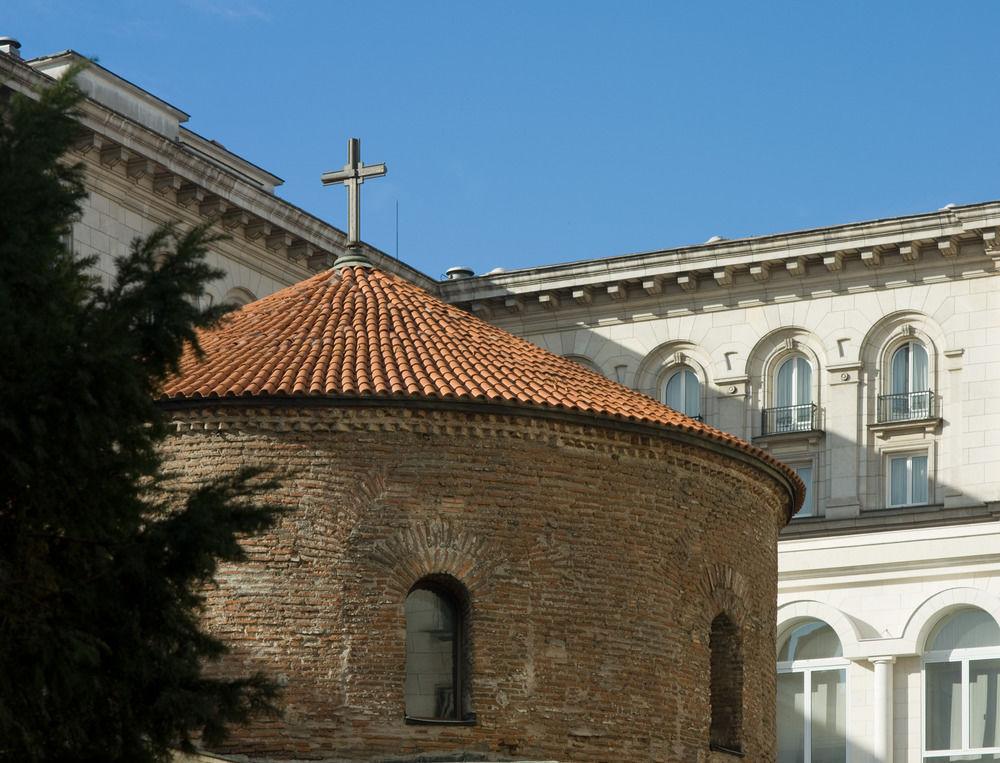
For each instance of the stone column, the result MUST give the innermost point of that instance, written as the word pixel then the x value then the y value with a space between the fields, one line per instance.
pixel 882 746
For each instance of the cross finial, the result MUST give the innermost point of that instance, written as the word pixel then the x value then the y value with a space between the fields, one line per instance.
pixel 353 175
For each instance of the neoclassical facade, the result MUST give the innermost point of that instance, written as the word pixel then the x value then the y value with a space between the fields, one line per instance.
pixel 865 356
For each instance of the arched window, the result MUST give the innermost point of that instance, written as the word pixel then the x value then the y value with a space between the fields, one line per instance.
pixel 726 685
pixel 812 696
pixel 434 653
pixel 239 297
pixel 962 688
pixel 683 393
pixel 793 409
pixel 909 383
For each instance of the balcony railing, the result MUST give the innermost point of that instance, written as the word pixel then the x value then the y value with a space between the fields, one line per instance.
pixel 906 406
pixel 790 418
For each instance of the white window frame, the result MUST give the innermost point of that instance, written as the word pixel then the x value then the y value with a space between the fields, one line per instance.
pixel 807 667
pixel 807 464
pixel 964 656
pixel 795 380
pixel 909 456
pixel 681 370
pixel 909 367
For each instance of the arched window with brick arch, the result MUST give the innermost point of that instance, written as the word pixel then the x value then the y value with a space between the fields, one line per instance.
pixel 726 687
pixel 436 651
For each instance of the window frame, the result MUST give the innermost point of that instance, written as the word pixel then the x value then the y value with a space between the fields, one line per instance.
pixel 964 657
pixel 810 488
pixel 457 597
pixel 893 350
pixel 681 370
pixel 909 455
pixel 807 668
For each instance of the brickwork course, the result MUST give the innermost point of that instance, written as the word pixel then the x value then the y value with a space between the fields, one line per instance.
pixel 597 534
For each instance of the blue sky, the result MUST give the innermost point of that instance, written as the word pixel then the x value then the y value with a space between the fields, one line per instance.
pixel 525 133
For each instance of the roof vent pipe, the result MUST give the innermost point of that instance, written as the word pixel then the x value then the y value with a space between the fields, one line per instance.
pixel 459 271
pixel 11 47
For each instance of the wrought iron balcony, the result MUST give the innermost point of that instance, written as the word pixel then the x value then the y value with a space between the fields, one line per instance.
pixel 790 418
pixel 906 406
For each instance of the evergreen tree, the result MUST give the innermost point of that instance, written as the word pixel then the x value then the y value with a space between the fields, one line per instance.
pixel 101 563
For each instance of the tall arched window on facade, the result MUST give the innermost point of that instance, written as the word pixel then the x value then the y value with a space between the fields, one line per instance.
pixel 962 688
pixel 726 685
pixel 793 409
pixel 909 384
pixel 434 654
pixel 683 392
pixel 812 696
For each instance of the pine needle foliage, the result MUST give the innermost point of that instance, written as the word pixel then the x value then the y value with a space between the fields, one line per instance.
pixel 101 560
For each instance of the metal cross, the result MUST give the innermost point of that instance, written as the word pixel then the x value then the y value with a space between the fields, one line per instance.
pixel 353 175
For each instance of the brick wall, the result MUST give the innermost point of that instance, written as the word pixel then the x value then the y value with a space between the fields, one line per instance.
pixel 595 562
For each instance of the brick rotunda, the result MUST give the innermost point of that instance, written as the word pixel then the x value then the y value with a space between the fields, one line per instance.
pixel 490 553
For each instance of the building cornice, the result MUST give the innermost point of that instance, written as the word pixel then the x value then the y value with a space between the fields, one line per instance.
pixel 786 262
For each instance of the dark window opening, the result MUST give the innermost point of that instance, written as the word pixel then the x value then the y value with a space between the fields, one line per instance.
pixel 726 687
pixel 436 652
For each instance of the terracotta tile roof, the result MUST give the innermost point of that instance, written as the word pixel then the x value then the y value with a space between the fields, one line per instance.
pixel 366 332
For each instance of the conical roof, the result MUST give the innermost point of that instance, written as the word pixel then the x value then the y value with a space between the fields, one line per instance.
pixel 362 332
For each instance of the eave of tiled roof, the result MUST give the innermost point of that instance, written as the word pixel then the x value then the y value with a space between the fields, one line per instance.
pixel 363 333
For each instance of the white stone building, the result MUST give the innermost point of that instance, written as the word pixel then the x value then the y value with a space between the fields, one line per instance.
pixel 867 356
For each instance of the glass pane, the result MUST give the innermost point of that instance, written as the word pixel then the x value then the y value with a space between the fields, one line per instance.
pixel 919 476
pixel 806 474
pixel 984 758
pixel 965 629
pixel 692 394
pixel 897 481
pixel 813 640
pixel 828 703
pixel 430 656
pixel 784 396
pixel 791 718
pixel 943 708
pixel 984 704
pixel 675 397
pixel 919 381
pixel 803 385
pixel 901 370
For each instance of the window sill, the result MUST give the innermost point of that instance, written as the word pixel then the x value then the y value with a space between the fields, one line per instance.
pixel 469 720
pixel 805 437
pixel 883 430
